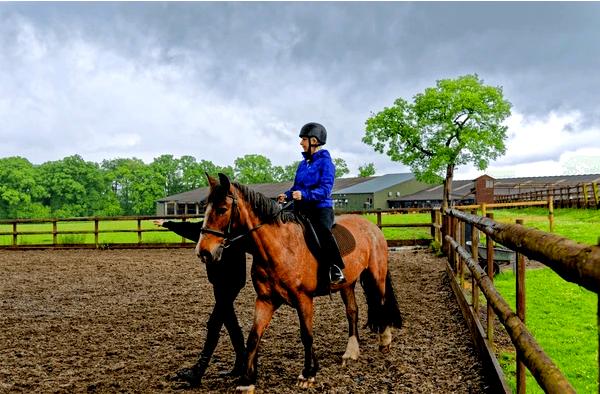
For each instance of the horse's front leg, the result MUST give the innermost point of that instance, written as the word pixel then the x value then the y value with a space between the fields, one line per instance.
pixel 352 348
pixel 305 310
pixel 263 312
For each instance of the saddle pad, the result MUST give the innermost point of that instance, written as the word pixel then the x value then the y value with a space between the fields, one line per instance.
pixel 344 238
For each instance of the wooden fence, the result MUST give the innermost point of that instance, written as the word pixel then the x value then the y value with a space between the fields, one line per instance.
pixel 582 195
pixel 15 232
pixel 18 229
pixel 574 262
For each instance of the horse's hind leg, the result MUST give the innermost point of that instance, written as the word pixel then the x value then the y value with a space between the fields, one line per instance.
pixel 352 349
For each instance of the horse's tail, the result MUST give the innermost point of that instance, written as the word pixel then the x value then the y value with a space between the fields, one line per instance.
pixel 381 313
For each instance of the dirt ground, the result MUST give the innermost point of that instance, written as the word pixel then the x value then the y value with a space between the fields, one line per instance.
pixel 123 321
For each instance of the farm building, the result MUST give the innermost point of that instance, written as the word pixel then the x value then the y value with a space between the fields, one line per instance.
pixel 377 192
pixel 486 189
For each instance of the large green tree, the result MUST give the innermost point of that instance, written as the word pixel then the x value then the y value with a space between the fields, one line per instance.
pixel 136 185
pixel 19 190
pixel 253 169
pixel 75 187
pixel 341 168
pixel 459 121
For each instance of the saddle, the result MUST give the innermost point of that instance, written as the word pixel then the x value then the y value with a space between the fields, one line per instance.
pixel 343 237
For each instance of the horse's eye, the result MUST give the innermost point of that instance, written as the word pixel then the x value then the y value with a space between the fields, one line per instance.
pixel 221 211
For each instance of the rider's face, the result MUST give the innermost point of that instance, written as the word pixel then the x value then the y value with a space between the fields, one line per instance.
pixel 304 143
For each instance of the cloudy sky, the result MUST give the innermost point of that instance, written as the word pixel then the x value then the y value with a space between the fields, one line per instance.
pixel 221 80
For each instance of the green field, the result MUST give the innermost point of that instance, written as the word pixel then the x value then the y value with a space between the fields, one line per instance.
pixel 580 225
pixel 562 318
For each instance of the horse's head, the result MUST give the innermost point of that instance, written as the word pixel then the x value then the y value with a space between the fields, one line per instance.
pixel 219 220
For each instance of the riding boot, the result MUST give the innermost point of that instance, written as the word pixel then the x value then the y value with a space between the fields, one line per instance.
pixel 194 375
pixel 333 256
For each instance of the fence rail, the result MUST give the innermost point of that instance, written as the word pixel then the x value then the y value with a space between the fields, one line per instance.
pixel 582 195
pixel 574 262
pixel 16 233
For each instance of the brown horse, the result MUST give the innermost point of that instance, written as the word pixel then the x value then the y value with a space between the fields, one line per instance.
pixel 286 271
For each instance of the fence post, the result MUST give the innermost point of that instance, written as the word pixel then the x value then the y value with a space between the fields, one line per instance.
pixel 432 232
pixel 483 209
pixel 378 219
pixel 551 213
pixel 475 255
pixel 54 231
pixel 14 239
pixel 183 238
pixel 596 197
pixel 139 231
pixel 490 272
pixel 96 232
pixel 585 196
pixel 461 264
pixel 520 261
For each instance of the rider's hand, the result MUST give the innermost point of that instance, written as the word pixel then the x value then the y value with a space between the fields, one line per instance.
pixel 297 195
pixel 281 197
pixel 158 222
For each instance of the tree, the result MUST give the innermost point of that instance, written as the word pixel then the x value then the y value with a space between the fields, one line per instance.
pixel 366 170
pixel 169 168
pixel 341 168
pixel 136 185
pixel 75 187
pixel 19 190
pixel 253 169
pixel 457 122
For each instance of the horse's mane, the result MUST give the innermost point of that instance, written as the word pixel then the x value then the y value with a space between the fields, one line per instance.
pixel 267 210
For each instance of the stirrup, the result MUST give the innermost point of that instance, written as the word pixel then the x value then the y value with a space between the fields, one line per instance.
pixel 338 278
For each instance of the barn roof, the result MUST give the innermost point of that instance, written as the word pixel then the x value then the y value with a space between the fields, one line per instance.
pixel 376 184
pixel 464 189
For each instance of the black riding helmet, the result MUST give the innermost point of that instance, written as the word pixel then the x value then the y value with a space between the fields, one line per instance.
pixel 316 130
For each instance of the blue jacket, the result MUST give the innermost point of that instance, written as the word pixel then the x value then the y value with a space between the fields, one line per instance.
pixel 314 178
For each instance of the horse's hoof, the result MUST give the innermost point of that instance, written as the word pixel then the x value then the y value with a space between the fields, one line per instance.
pixel 245 389
pixel 304 383
pixel 384 348
pixel 347 360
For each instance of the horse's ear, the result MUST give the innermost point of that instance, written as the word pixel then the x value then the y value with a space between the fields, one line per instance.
pixel 224 180
pixel 211 181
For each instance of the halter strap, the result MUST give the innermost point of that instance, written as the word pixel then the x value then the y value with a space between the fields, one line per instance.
pixel 228 239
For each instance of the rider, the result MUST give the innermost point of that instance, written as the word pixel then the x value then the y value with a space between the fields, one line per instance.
pixel 311 193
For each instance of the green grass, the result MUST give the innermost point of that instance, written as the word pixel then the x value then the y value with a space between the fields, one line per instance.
pixel 562 318
pixel 580 225
pixel 404 233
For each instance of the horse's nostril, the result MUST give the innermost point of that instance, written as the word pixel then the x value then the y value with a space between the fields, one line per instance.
pixel 205 256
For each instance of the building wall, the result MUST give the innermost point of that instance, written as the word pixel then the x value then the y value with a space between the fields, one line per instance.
pixel 484 189
pixel 397 191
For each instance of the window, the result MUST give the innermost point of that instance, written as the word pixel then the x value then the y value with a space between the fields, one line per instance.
pixel 489 184
pixel 170 208
pixel 397 194
pixel 181 209
pixel 389 194
pixel 191 209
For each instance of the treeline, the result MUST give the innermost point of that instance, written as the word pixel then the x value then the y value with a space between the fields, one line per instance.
pixel 74 187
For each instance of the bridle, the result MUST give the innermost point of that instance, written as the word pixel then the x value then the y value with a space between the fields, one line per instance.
pixel 228 239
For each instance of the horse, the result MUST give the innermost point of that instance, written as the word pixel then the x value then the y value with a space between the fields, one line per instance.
pixel 286 271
